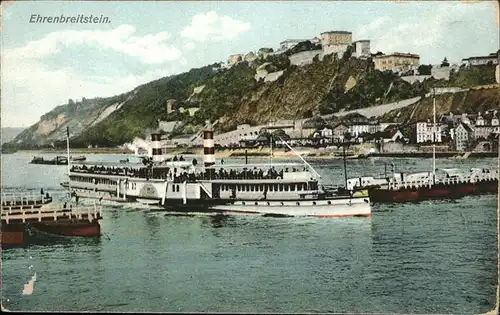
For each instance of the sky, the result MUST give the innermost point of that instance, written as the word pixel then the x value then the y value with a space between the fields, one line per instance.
pixel 45 64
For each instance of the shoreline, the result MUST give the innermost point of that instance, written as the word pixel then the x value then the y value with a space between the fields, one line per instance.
pixel 279 153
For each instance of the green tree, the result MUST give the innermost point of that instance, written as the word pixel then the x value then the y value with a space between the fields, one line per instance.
pixel 445 63
pixel 424 69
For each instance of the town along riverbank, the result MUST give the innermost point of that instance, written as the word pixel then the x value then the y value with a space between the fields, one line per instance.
pixel 358 151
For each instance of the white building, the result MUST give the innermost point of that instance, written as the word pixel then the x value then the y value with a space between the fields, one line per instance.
pixel 357 129
pixel 481 60
pixel 243 132
pixel 361 48
pixel 463 136
pixel 327 133
pixel 335 42
pixel 427 132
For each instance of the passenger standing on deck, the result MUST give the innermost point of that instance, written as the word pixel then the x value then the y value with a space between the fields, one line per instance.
pixel 222 161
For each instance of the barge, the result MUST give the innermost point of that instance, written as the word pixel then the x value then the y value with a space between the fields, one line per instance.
pixel 58 160
pixel 435 184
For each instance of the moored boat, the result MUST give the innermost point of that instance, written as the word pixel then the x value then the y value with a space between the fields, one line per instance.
pixel 444 184
pixel 58 160
pixel 79 158
pixel 435 184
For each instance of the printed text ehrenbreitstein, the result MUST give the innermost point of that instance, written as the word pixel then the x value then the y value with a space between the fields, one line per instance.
pixel 80 18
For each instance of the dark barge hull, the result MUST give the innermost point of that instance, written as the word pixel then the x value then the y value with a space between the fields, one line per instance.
pixel 16 234
pixel 70 227
pixel 439 191
pixel 50 162
pixel 13 235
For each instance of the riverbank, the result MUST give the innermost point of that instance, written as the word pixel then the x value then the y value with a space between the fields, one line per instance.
pixel 354 153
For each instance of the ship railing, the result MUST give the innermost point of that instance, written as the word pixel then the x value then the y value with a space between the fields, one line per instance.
pixel 80 212
pixel 12 198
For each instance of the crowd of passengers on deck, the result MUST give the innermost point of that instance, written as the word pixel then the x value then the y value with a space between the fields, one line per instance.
pixel 122 171
pixel 179 177
pixel 223 174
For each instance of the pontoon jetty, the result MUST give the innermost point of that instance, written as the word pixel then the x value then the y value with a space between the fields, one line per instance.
pixel 23 211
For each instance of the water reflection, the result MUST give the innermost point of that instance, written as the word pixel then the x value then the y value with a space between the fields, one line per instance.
pixel 34 238
pixel 219 220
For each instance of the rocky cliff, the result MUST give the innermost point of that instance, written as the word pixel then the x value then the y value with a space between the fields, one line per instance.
pixel 78 116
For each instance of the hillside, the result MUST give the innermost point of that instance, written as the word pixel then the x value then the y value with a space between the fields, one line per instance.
pixel 325 86
pixel 469 101
pixel 78 116
pixel 235 96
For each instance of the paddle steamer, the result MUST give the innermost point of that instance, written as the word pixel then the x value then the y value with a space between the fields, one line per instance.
pixel 179 185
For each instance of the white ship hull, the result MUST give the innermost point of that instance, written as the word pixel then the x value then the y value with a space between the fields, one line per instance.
pixel 317 208
pixel 151 202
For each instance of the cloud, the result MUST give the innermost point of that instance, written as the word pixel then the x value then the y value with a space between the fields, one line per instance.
pixel 190 46
pixel 210 26
pixel 30 88
pixel 431 34
pixel 150 48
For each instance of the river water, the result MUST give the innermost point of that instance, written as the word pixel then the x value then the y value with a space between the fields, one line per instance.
pixel 432 257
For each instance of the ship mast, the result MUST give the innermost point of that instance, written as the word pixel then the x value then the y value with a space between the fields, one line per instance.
pixel 68 157
pixel 271 158
pixel 434 137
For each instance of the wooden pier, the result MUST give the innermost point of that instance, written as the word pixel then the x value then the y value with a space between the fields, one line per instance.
pixel 18 199
pixel 22 211
pixel 28 213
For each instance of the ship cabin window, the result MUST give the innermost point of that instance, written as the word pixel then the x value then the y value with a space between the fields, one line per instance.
pixel 281 187
pixel 271 187
pixel 287 187
pixel 178 187
pixel 262 187
pixel 252 187
pixel 275 187
pixel 292 187
pixel 173 188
